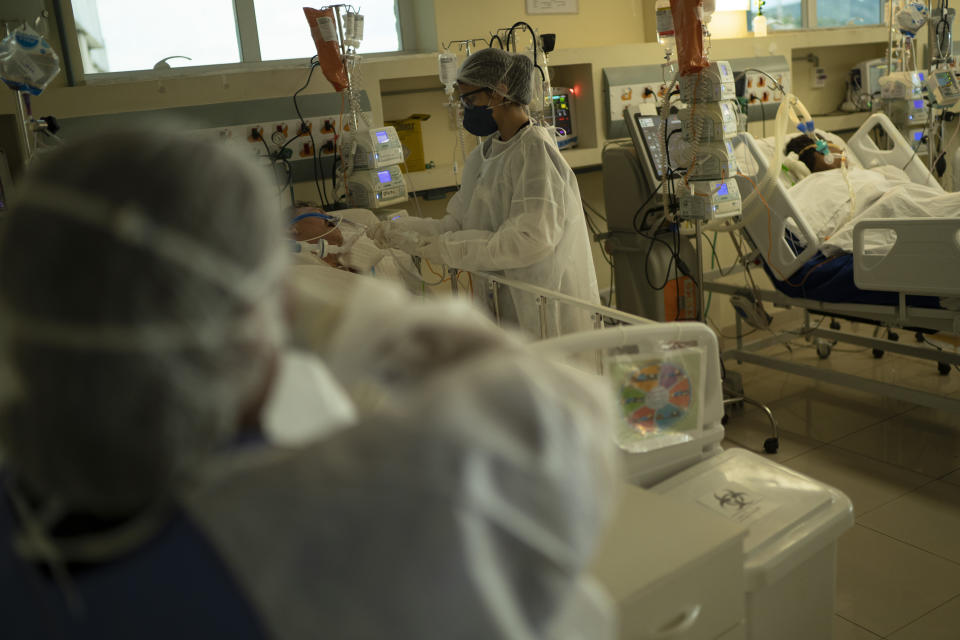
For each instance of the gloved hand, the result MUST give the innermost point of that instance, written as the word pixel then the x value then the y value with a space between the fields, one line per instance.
pixel 377 233
pixel 432 249
pixel 403 239
pixel 390 235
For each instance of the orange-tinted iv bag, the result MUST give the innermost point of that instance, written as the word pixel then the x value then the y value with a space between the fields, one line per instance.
pixel 689 36
pixel 323 28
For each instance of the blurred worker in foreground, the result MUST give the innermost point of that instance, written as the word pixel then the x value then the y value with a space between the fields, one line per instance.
pixel 143 323
pixel 519 210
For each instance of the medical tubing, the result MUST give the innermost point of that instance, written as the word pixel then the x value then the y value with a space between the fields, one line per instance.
pixel 317 166
pixel 665 117
pixel 413 188
pixel 697 126
pixel 783 114
pixel 853 196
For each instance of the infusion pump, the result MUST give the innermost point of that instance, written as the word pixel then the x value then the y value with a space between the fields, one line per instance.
pixel 944 87
pixel 376 188
pixel 712 84
pixel 375 148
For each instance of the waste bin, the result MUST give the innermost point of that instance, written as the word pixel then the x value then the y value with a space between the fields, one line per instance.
pixel 793 523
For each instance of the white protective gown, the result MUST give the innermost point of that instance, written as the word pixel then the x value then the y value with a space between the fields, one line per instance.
pixel 519 213
pixel 466 502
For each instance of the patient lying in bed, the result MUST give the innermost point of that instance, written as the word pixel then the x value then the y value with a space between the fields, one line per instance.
pixel 342 244
pixel 832 200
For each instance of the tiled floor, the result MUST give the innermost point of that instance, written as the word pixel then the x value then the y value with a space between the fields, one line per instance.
pixel 898 569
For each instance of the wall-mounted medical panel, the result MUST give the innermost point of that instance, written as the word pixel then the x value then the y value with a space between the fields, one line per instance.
pixel 761 96
pixel 263 126
pixel 641 86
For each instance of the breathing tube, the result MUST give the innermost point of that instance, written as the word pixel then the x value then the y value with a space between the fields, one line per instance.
pixel 791 109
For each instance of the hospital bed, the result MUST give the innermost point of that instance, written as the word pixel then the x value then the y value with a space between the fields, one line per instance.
pixel 902 289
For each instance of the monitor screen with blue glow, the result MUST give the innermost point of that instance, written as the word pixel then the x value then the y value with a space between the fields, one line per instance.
pixel 918 136
pixel 382 137
pixel 383 176
pixel 918 104
pixel 723 191
pixel 921 76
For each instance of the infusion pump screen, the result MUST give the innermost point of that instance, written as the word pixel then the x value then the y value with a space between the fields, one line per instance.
pixel 651 128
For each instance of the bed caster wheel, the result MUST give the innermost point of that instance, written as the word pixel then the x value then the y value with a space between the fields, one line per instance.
pixel 823 350
pixel 920 337
pixel 835 325
pixel 893 337
pixel 771 445
pixel 878 353
pixel 943 368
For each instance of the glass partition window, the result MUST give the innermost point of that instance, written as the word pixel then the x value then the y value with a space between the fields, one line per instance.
pixel 817 14
pixel 849 13
pixel 284 32
pixel 125 35
pixel 129 35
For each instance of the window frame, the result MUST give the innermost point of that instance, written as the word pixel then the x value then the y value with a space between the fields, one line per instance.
pixel 410 21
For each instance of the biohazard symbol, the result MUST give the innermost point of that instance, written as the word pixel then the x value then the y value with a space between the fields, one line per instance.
pixel 733 499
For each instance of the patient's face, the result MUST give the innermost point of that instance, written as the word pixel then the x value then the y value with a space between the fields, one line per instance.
pixel 820 161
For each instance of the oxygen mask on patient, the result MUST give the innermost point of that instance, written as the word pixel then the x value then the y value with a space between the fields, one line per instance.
pixel 824 149
pixel 320 246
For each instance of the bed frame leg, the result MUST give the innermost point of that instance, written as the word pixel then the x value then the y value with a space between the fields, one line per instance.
pixel 772 444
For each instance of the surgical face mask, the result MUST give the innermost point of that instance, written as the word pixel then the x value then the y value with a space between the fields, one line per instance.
pixel 479 121
pixel 306 402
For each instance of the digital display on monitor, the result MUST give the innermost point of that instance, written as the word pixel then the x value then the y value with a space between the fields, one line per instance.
pixel 382 137
pixel 384 177
pixel 723 190
pixel 917 136
pixel 918 104
pixel 651 132
pixel 921 76
pixel 945 79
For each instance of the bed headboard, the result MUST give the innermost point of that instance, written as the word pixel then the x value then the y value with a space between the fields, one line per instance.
pixel 767 227
pixel 901 154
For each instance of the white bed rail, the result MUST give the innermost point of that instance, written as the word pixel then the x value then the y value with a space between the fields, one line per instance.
pixel 924 259
pixel 765 220
pixel 901 154
pixel 544 297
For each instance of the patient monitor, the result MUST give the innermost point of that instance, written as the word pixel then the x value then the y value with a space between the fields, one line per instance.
pixel 865 82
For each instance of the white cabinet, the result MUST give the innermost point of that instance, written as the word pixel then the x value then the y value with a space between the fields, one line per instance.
pixel 674 570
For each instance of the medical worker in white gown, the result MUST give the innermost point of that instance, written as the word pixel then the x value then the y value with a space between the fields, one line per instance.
pixel 519 211
pixel 453 485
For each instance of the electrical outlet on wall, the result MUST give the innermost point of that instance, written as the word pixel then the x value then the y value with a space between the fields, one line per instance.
pixel 818 77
